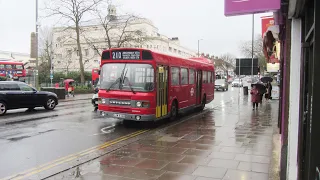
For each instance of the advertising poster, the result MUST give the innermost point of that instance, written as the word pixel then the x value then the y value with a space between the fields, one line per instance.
pixel 266 22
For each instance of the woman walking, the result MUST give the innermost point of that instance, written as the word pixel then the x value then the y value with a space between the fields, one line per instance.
pixel 255 97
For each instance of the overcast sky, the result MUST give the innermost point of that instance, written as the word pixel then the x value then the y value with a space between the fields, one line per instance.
pixel 189 20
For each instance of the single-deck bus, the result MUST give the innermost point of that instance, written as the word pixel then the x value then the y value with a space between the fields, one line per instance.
pixel 14 70
pixel 95 76
pixel 142 85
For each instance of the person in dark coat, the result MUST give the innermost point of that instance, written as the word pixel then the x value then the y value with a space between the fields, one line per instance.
pixel 269 90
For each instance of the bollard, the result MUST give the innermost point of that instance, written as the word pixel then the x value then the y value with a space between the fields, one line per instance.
pixel 245 90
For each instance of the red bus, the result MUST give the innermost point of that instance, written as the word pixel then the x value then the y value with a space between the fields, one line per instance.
pixel 14 70
pixel 95 76
pixel 142 85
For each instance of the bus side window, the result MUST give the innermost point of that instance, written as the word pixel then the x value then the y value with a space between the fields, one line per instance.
pixel 204 77
pixel 175 76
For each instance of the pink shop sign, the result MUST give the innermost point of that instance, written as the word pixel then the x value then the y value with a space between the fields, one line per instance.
pixel 242 7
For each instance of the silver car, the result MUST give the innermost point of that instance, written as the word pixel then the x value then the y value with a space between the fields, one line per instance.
pixel 221 84
pixel 237 83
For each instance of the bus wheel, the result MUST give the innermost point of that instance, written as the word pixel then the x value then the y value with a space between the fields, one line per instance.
pixel 174 111
pixel 203 103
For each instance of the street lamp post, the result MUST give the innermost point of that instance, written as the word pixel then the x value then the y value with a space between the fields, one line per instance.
pixel 199 47
pixel 252 46
pixel 37 46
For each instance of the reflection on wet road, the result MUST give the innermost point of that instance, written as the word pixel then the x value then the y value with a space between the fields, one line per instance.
pixel 29 140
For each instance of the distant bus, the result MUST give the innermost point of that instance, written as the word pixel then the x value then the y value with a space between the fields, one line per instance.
pixel 142 85
pixel 13 70
pixel 95 76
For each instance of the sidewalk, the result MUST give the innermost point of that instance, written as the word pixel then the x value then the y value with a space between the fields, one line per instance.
pixel 77 97
pixel 231 142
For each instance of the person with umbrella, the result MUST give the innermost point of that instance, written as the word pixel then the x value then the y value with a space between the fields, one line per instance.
pixel 255 97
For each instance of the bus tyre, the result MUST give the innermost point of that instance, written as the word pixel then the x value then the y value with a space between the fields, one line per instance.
pixel 173 111
pixel 203 103
pixel 3 108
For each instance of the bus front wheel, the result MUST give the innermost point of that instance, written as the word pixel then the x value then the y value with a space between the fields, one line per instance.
pixel 173 111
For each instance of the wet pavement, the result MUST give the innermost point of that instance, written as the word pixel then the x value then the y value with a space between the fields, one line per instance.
pixel 227 142
pixel 58 140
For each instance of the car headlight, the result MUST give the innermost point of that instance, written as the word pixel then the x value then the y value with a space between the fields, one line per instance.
pixel 139 104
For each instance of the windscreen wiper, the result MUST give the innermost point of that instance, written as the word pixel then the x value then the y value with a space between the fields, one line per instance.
pixel 125 77
pixel 114 83
pixel 130 86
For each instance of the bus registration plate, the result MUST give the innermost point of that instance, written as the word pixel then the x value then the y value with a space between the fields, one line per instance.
pixel 119 115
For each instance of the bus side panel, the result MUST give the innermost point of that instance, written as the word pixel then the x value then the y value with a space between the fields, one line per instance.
pixel 210 88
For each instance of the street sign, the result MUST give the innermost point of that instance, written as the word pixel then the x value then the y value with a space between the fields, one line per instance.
pixel 51 76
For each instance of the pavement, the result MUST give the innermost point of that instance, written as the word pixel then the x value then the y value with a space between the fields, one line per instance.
pixel 77 97
pixel 228 142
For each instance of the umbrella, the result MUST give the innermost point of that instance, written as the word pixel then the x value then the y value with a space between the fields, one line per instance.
pixel 266 79
pixel 68 80
pixel 260 86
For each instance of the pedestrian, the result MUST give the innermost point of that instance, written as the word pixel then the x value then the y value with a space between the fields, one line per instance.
pixel 255 97
pixel 269 90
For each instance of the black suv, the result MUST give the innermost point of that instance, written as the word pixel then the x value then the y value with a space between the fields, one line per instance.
pixel 15 95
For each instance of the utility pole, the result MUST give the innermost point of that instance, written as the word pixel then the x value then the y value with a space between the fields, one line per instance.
pixel 37 48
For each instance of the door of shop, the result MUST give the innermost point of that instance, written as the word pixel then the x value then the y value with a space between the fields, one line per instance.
pixel 309 147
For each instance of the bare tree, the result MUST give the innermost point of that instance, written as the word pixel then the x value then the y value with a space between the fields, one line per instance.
pixel 46 52
pixel 117 32
pixel 246 50
pixel 74 11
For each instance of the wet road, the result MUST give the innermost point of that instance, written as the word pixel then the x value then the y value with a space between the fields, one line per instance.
pixel 28 140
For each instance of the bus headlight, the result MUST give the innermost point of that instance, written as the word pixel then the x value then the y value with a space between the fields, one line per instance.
pixel 103 101
pixel 142 104
pixel 139 104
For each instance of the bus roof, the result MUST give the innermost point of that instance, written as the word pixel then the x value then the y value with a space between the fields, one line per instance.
pixel 11 62
pixel 159 58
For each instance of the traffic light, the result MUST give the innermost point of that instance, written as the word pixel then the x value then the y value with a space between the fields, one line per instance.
pixel 258 69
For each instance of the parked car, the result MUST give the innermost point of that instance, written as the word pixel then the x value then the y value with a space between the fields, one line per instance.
pixel 237 83
pixel 221 84
pixel 16 95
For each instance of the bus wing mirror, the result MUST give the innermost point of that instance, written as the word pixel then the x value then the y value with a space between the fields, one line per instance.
pixel 99 72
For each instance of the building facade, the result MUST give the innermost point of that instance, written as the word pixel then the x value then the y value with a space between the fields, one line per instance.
pixel 116 31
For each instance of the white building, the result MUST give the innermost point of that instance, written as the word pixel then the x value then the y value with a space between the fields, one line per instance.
pixel 142 32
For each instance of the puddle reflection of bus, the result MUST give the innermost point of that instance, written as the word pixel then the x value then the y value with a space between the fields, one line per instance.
pixel 142 85
pixel 13 70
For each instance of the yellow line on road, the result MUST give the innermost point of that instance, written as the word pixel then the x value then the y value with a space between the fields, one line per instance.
pixel 71 157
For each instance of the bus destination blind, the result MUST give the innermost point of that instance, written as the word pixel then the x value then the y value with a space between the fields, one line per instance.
pixel 125 55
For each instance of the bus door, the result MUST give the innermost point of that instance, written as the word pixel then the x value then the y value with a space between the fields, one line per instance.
pixel 198 87
pixel 162 91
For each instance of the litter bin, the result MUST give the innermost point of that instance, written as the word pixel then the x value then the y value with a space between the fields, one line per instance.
pixel 60 92
pixel 245 90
